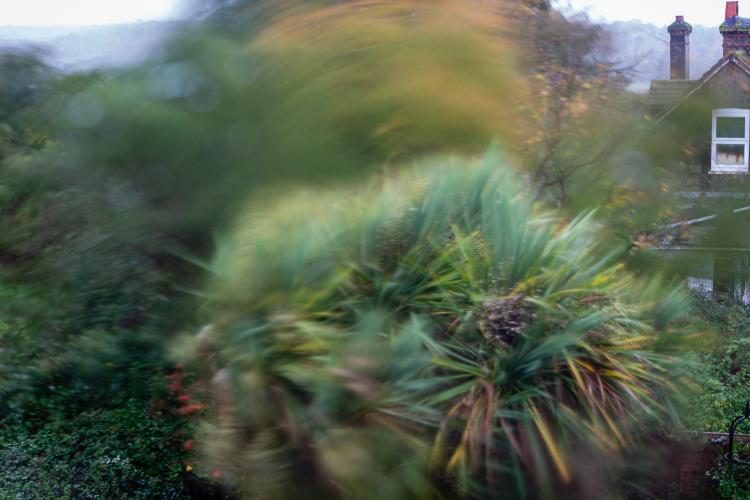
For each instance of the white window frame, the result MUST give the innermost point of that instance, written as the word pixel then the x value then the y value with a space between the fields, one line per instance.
pixel 729 113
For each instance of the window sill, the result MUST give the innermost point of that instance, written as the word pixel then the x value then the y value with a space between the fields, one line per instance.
pixel 728 172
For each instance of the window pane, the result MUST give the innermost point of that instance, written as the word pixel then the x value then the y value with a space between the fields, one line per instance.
pixel 730 127
pixel 730 154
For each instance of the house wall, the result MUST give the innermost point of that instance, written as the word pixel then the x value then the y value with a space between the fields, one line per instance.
pixel 717 251
pixel 730 89
pixel 685 134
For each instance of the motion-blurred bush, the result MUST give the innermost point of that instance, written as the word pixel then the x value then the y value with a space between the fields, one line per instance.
pixel 436 333
pixel 433 331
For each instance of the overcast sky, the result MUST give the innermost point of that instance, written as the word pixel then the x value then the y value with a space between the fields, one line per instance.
pixel 67 12
pixel 660 12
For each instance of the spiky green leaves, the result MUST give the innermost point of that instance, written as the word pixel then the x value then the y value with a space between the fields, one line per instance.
pixel 435 327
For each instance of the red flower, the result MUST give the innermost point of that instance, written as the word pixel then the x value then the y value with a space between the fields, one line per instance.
pixel 184 398
pixel 188 445
pixel 191 408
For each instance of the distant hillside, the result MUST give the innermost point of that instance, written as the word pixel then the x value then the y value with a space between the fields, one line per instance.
pixel 87 47
pixel 645 47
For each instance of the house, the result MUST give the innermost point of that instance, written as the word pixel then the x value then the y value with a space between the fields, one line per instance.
pixel 703 125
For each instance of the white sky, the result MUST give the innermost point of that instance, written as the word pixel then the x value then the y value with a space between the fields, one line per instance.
pixel 659 12
pixel 79 12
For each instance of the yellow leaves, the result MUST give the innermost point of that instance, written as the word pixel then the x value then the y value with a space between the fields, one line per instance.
pixel 458 455
pixel 554 451
pixel 388 127
pixel 576 375
pixel 622 198
pixel 601 279
pixel 644 241
pixel 578 108
pixel 633 341
pixel 619 375
pixel 586 365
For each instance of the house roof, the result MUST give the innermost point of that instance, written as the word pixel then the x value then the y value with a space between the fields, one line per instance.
pixel 663 94
pixel 663 90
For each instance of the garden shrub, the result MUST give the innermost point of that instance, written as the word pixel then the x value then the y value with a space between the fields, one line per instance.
pixel 107 453
pixel 719 382
pixel 721 372
pixel 437 331
pixel 91 420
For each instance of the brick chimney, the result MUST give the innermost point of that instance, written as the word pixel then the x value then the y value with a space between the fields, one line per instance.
pixel 679 49
pixel 735 30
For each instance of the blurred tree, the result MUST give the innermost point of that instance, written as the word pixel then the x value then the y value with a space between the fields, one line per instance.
pixel 579 110
pixel 25 82
pixel 328 93
pixel 88 299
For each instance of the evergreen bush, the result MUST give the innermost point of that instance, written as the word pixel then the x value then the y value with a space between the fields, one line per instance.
pixel 434 331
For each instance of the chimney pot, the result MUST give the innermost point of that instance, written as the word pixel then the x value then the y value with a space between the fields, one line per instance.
pixel 732 10
pixel 680 19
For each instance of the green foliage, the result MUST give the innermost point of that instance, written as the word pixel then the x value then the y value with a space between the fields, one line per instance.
pixel 438 335
pixel 732 482
pixel 81 419
pixel 25 83
pixel 97 453
pixel 485 344
pixel 143 165
pixel 86 295
pixel 719 380
pixel 84 307
pixel 720 374
pixel 187 136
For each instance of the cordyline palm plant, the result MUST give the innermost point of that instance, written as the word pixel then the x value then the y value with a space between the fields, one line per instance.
pixel 436 335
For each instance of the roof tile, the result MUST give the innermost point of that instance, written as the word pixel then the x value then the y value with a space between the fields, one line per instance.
pixel 663 94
